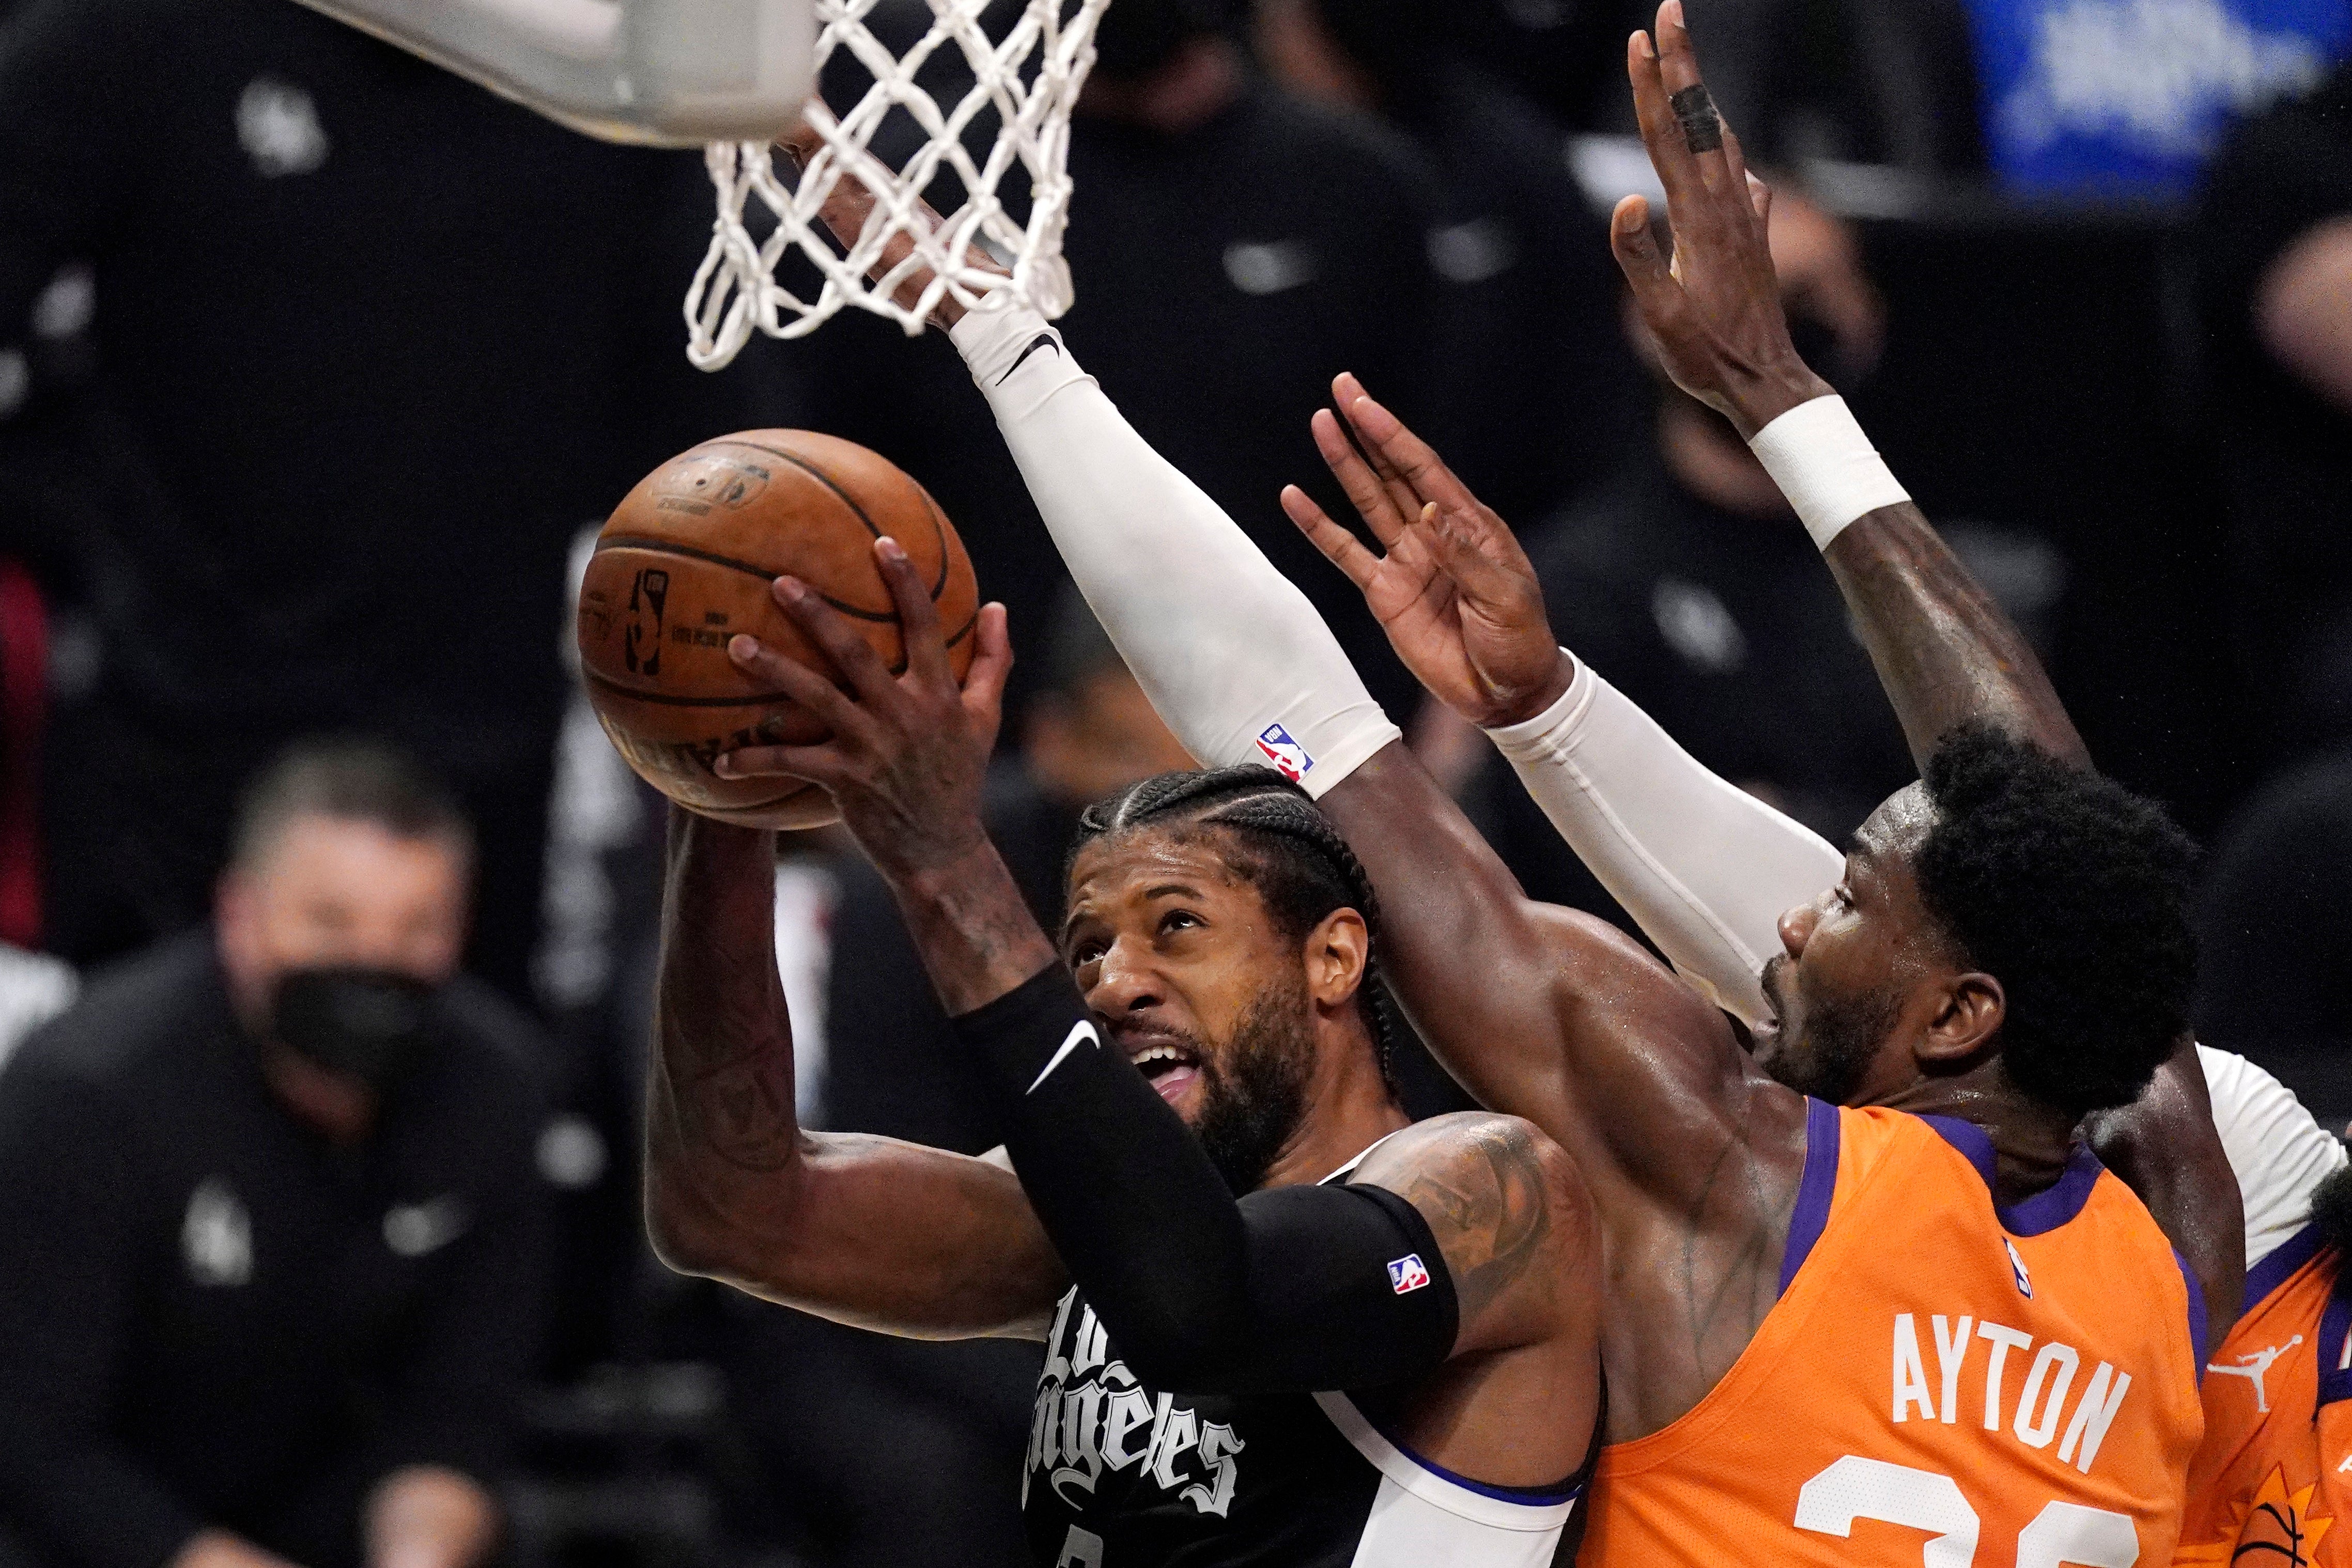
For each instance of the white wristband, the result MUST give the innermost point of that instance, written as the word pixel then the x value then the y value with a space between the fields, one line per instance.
pixel 1823 462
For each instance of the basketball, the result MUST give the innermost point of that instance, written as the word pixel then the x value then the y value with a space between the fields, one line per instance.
pixel 686 562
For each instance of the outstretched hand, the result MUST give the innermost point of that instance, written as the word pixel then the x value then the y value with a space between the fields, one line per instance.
pixel 908 753
pixel 1453 591
pixel 1714 307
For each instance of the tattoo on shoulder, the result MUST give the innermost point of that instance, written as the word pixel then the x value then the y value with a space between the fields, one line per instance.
pixel 1486 1198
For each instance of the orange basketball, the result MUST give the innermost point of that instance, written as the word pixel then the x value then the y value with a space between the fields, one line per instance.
pixel 686 562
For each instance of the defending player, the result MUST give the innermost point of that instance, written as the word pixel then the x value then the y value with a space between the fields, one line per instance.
pixel 1821 1323
pixel 1705 869
pixel 1225 940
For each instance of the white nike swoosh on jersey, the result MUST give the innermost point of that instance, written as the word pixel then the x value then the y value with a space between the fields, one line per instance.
pixel 1080 1030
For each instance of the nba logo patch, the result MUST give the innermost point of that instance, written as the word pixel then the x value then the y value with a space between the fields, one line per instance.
pixel 1406 1274
pixel 1290 758
pixel 2017 1267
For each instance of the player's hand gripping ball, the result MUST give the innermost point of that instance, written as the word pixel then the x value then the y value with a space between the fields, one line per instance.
pixel 687 561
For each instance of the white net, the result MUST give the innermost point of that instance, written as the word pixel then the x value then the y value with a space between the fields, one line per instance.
pixel 1027 80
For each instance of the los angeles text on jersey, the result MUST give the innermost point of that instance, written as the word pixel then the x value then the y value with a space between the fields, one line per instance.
pixel 1988 1372
pixel 1093 1418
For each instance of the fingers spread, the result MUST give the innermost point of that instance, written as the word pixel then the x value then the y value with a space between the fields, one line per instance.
pixel 1347 393
pixel 817 764
pixel 1415 460
pixel 852 654
pixel 983 683
pixel 1342 549
pixel 1635 246
pixel 1373 500
pixel 1662 134
pixel 918 618
pixel 795 680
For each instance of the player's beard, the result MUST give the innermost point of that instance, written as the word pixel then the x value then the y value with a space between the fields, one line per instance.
pixel 1837 1038
pixel 1253 1091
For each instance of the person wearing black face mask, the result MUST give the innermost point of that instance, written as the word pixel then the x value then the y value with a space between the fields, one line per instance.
pixel 276 1237
pixel 1684 581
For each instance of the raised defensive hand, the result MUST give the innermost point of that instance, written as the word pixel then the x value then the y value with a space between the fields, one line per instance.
pixel 1715 308
pixel 1453 591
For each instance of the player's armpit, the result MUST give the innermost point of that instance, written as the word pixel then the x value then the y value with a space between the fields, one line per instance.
pixel 1513 1218
pixel 2165 1148
pixel 1542 1012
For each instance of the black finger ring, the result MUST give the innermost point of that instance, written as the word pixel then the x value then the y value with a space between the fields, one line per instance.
pixel 1702 124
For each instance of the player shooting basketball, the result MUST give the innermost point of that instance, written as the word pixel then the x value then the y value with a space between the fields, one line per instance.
pixel 1219 966
pixel 1904 1311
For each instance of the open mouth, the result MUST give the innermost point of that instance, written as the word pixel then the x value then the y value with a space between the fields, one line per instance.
pixel 1171 1070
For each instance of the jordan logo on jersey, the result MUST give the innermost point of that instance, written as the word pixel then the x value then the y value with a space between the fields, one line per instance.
pixel 1092 1419
pixel 2255 1368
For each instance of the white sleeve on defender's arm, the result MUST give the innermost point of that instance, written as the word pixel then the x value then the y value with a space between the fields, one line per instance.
pixel 2279 1151
pixel 1228 649
pixel 1705 868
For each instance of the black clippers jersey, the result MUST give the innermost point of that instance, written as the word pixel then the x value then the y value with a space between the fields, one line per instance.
pixel 1119 1475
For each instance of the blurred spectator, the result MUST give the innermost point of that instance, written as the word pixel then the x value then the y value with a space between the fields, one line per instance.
pixel 2272 946
pixel 1687 584
pixel 33 988
pixel 1235 247
pixel 372 344
pixel 2275 244
pixel 919 1459
pixel 1564 54
pixel 273 1272
pixel 1872 81
pixel 1539 393
pixel 2127 97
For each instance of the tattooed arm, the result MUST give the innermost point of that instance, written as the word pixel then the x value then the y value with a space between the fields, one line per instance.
pixel 1510 1212
pixel 867 1231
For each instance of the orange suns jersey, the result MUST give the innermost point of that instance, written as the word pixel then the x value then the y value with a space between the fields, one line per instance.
pixel 1941 1382
pixel 2272 1480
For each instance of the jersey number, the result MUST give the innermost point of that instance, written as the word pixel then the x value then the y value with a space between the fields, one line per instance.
pixel 2063 1532
pixel 1080 1548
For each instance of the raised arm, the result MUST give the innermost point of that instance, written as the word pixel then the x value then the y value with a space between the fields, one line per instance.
pixel 1283 1288
pixel 1708 872
pixel 1541 1012
pixel 868 1231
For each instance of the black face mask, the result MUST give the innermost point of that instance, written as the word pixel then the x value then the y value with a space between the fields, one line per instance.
pixel 373 1025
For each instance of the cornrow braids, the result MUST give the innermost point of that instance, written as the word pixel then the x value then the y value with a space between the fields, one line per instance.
pixel 1298 863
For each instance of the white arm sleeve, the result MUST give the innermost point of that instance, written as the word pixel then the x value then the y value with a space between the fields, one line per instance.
pixel 1704 868
pixel 1228 649
pixel 2278 1150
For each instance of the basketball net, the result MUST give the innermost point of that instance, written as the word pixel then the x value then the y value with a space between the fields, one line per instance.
pixel 1030 78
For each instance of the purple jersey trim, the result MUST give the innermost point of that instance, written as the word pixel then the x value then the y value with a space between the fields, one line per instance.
pixel 2061 1201
pixel 1814 1189
pixel 1974 1143
pixel 2046 1210
pixel 2279 1264
pixel 2196 1319
pixel 2335 1323
pixel 1533 1497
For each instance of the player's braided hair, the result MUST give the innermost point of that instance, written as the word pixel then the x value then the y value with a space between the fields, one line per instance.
pixel 1298 863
